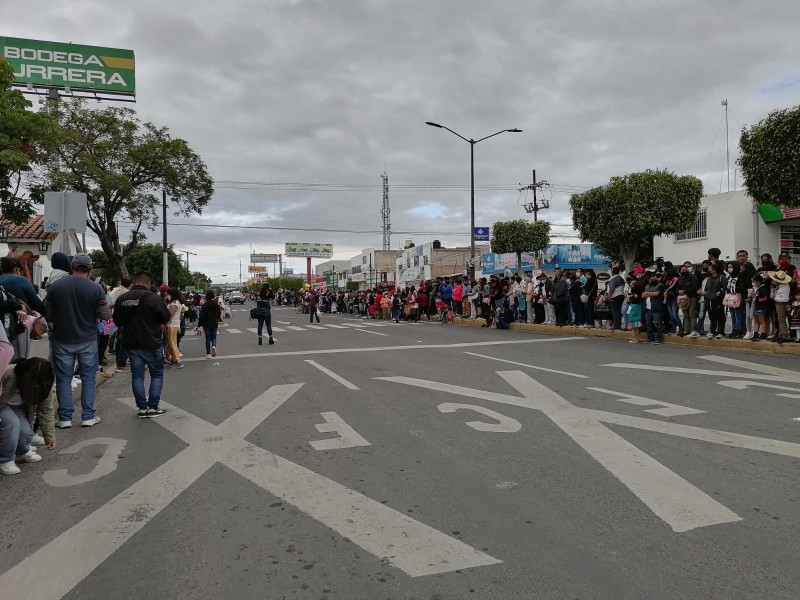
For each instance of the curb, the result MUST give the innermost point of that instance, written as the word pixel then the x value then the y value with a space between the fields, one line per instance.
pixel 763 347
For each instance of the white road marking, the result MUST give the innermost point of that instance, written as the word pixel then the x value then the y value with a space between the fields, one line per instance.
pixel 669 410
pixel 740 385
pixel 278 329
pixel 673 499
pixel 504 425
pixel 293 328
pixel 372 332
pixel 234 331
pixel 391 536
pixel 335 326
pixel 511 362
pixel 791 375
pixel 355 325
pixel 285 322
pixel 252 329
pixel 333 376
pixel 106 465
pixel 315 327
pixel 348 437
pixel 393 348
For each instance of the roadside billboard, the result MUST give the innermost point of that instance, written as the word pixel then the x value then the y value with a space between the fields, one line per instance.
pixel 564 256
pixel 256 269
pixel 59 65
pixel 307 249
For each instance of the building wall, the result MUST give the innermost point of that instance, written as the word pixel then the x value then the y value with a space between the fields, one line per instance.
pixel 730 227
pixel 328 265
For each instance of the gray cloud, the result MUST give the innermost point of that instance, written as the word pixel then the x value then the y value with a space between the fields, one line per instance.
pixel 334 92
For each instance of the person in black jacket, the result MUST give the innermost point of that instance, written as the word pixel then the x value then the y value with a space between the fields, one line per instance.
pixel 142 316
pixel 209 319
pixel 263 312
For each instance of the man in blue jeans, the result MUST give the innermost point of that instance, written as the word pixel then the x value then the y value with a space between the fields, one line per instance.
pixel 654 307
pixel 141 316
pixel 73 305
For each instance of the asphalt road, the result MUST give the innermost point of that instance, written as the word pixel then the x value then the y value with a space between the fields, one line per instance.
pixel 393 461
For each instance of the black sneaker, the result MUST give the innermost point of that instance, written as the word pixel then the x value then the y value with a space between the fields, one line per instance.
pixel 271 340
pixel 155 412
pixel 141 413
pixel 259 340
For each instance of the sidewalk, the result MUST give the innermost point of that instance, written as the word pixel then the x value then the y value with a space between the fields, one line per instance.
pixel 762 347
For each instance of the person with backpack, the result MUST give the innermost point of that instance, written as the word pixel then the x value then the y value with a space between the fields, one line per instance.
pixel 142 318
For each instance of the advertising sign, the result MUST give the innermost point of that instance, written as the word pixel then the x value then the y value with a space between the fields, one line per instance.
pixel 254 269
pixel 482 234
pixel 790 241
pixel 83 68
pixel 771 213
pixel 263 258
pixel 306 249
pixel 564 256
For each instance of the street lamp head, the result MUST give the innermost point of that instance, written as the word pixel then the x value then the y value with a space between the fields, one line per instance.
pixel 514 130
pixel 433 124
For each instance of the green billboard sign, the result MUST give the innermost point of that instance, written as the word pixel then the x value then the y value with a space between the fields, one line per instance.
pixel 80 68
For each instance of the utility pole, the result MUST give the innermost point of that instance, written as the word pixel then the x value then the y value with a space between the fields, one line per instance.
pixel 385 212
pixel 727 144
pixel 538 203
pixel 535 206
pixel 165 249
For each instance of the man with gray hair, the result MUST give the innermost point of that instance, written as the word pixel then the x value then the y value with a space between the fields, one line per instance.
pixel 74 304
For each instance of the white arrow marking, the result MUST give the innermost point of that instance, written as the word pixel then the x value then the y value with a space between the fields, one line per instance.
pixel 669 410
pixel 673 499
pixel 740 385
pixel 391 536
pixel 106 465
pixel 519 364
pixel 504 425
pixel 334 376
pixel 348 437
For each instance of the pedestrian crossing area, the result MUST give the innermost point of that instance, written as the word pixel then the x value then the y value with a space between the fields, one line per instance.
pixel 285 327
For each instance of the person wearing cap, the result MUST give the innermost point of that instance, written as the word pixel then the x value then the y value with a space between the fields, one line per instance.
pixel 73 305
pixel 781 283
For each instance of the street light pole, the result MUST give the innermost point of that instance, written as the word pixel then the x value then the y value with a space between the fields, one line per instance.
pixel 472 143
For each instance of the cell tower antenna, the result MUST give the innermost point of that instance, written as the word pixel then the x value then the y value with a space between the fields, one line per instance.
pixel 385 212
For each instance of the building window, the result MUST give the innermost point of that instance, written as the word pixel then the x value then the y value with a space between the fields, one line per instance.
pixel 698 232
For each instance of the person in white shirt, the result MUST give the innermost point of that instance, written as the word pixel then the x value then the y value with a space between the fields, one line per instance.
pixel 175 306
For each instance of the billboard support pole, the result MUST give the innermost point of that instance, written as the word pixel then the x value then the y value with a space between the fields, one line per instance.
pixel 308 270
pixel 280 270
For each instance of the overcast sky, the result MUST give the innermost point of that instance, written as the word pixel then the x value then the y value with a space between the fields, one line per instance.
pixel 336 92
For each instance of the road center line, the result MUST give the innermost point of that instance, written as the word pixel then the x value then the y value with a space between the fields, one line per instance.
pixel 511 362
pixel 334 376
pixel 544 340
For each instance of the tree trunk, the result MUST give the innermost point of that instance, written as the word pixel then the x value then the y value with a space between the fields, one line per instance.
pixel 628 253
pixel 109 242
pixel 519 264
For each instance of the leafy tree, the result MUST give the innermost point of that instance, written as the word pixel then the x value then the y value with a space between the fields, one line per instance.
pixel 22 134
pixel 146 257
pixel 122 165
pixel 200 280
pixel 644 253
pixel 770 158
pixel 628 210
pixel 520 236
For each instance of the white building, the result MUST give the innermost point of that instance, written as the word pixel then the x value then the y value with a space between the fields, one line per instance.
pixel 374 268
pixel 732 222
pixel 428 261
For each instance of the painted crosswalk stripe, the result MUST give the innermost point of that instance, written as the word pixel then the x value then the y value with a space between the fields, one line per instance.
pixel 335 326
pixel 234 331
pixel 278 329
pixel 293 328
pixel 371 332
pixel 316 326
pixel 355 324
pixel 252 329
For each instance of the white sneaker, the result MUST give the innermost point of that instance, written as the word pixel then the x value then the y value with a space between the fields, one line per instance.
pixel 208 356
pixel 710 336
pixel 64 424
pixel 9 468
pixel 213 350
pixel 37 440
pixel 29 457
pixel 90 422
pixel 694 334
pixel 748 336
pixel 718 336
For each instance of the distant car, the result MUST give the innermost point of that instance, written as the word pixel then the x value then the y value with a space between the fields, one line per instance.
pixel 236 298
